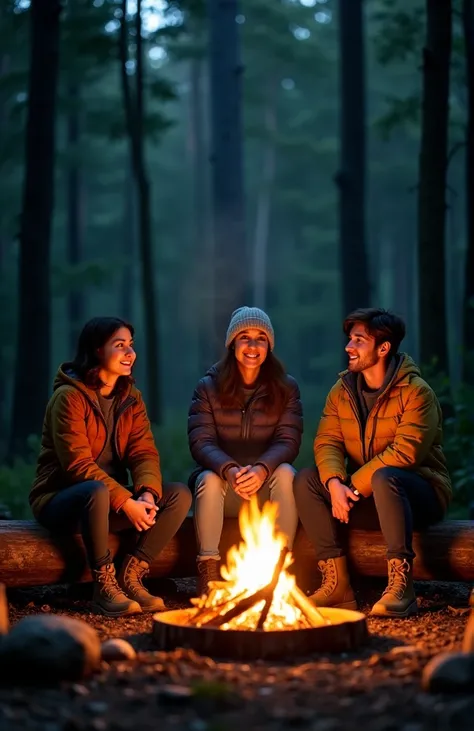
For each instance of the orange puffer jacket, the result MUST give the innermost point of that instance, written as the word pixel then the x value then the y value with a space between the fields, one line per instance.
pixel 74 435
pixel 403 429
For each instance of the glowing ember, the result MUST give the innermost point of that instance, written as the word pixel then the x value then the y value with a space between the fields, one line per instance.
pixel 250 568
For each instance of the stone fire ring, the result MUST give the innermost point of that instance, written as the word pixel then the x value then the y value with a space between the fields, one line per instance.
pixel 347 632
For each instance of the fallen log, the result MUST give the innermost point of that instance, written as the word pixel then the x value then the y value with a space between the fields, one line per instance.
pixel 30 556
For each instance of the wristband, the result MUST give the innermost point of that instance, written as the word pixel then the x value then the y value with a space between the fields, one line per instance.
pixel 355 491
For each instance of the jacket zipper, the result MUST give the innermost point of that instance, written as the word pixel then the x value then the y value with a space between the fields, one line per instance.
pixel 375 410
pixel 355 408
pixel 245 431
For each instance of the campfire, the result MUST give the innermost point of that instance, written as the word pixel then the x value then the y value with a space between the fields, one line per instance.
pixel 257 610
pixel 257 591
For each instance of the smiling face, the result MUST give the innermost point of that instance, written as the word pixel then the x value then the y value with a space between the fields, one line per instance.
pixel 251 348
pixel 117 356
pixel 362 351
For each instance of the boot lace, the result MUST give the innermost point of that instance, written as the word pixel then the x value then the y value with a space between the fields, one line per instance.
pixel 209 570
pixel 328 570
pixel 108 583
pixel 397 578
pixel 134 575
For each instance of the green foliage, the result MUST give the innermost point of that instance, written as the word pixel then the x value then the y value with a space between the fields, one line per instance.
pixel 15 485
pixel 458 433
pixel 68 278
pixel 172 442
pixel 401 30
pixel 211 690
pixel 459 448
pixel 400 112
pixel 16 481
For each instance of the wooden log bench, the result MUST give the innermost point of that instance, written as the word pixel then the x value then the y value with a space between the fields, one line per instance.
pixel 29 556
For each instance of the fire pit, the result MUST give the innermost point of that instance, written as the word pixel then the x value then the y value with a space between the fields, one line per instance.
pixel 257 611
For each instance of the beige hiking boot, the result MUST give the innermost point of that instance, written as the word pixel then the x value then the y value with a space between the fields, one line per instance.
pixel 108 598
pixel 335 590
pixel 208 570
pixel 130 578
pixel 398 599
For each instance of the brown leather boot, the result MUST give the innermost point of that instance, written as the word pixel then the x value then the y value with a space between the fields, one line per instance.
pixel 335 590
pixel 108 598
pixel 208 570
pixel 132 573
pixel 398 599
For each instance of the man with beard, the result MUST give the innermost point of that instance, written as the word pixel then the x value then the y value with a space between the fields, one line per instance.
pixel 379 463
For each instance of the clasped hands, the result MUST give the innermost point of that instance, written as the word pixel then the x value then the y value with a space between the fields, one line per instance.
pixel 141 511
pixel 246 481
pixel 342 499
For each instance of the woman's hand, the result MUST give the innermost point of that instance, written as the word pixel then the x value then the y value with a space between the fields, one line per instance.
pixel 250 479
pixel 231 478
pixel 147 497
pixel 141 513
pixel 341 499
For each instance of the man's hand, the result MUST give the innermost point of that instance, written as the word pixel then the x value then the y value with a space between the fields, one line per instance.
pixel 341 497
pixel 141 513
pixel 250 479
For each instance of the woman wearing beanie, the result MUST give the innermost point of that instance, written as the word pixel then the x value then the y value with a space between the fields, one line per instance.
pixel 244 428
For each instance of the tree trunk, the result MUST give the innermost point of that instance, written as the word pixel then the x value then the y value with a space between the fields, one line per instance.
pixel 262 223
pixel 230 264
pixel 134 112
pixel 351 176
pixel 75 214
pixel 33 372
pixel 432 186
pixel 5 382
pixel 468 327
pixel 203 241
pixel 127 285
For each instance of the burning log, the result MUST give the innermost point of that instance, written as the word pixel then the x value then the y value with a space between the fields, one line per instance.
pixel 242 606
pixel 250 601
pixel 271 587
pixel 210 608
pixel 313 615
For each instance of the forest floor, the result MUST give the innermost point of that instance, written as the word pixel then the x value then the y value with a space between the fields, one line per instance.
pixel 377 688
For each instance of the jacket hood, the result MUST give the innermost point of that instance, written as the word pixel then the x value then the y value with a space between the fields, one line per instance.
pixel 66 376
pixel 405 369
pixel 213 370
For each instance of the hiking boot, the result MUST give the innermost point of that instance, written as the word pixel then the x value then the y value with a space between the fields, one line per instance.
pixel 108 598
pixel 132 573
pixel 208 570
pixel 335 590
pixel 398 599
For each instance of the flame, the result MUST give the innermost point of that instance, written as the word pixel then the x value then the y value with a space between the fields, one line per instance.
pixel 250 567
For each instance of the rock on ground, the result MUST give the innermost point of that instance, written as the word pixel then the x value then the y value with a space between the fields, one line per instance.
pixel 47 649
pixel 449 672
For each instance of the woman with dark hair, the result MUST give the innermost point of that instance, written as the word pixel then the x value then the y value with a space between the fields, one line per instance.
pixel 244 428
pixel 95 430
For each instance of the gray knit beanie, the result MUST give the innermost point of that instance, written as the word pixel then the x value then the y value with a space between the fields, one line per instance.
pixel 247 317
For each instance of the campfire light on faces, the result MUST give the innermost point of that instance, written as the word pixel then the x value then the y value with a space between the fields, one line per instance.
pixel 257 611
